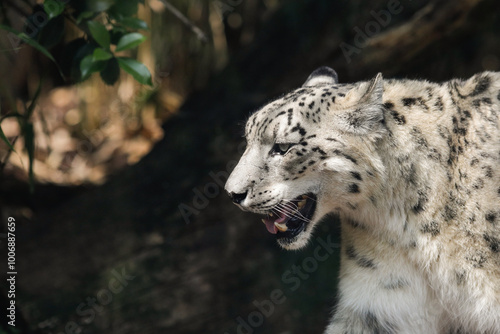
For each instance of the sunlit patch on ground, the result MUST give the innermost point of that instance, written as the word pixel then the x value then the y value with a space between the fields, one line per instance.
pixel 84 133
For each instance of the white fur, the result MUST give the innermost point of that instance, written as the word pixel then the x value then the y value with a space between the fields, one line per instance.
pixel 411 169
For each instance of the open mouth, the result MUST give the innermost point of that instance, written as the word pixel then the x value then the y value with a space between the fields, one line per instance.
pixel 288 219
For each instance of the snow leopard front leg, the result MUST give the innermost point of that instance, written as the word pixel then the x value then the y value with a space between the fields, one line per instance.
pixel 381 291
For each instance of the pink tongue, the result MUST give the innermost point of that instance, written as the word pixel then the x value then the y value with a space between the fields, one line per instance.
pixel 270 223
pixel 270 226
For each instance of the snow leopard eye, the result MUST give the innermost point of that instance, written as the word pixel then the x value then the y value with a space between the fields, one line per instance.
pixel 280 149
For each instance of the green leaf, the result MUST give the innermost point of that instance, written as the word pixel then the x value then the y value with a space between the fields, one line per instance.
pixel 31 108
pixel 4 138
pixel 101 54
pixel 31 42
pixel 111 73
pixel 116 34
pixel 53 8
pixel 72 54
pixel 88 66
pixel 134 23
pixel 83 16
pixel 99 5
pixel 138 70
pixel 124 8
pixel 99 33
pixel 130 41
pixel 29 145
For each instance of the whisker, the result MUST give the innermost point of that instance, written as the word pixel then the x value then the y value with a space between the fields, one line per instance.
pixel 288 208
pixel 295 210
pixel 283 212
pixel 308 197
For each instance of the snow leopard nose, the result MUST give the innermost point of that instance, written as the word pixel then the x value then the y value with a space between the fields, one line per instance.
pixel 238 198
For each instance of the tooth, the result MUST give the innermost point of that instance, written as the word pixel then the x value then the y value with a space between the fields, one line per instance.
pixel 263 221
pixel 271 214
pixel 301 204
pixel 281 227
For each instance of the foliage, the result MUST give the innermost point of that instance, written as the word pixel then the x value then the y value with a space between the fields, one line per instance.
pixel 105 28
pixel 28 133
pixel 109 27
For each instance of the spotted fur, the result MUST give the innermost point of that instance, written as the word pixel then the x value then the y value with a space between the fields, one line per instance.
pixel 412 170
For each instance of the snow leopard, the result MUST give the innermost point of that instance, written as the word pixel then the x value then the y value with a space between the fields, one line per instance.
pixel 411 169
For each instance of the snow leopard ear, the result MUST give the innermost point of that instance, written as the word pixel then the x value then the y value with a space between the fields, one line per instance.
pixel 375 90
pixel 322 75
pixel 366 93
pixel 365 113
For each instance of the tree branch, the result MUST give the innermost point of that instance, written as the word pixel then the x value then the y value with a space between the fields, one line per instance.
pixel 402 43
pixel 197 31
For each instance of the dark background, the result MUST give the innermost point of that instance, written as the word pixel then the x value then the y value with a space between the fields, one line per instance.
pixel 203 273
